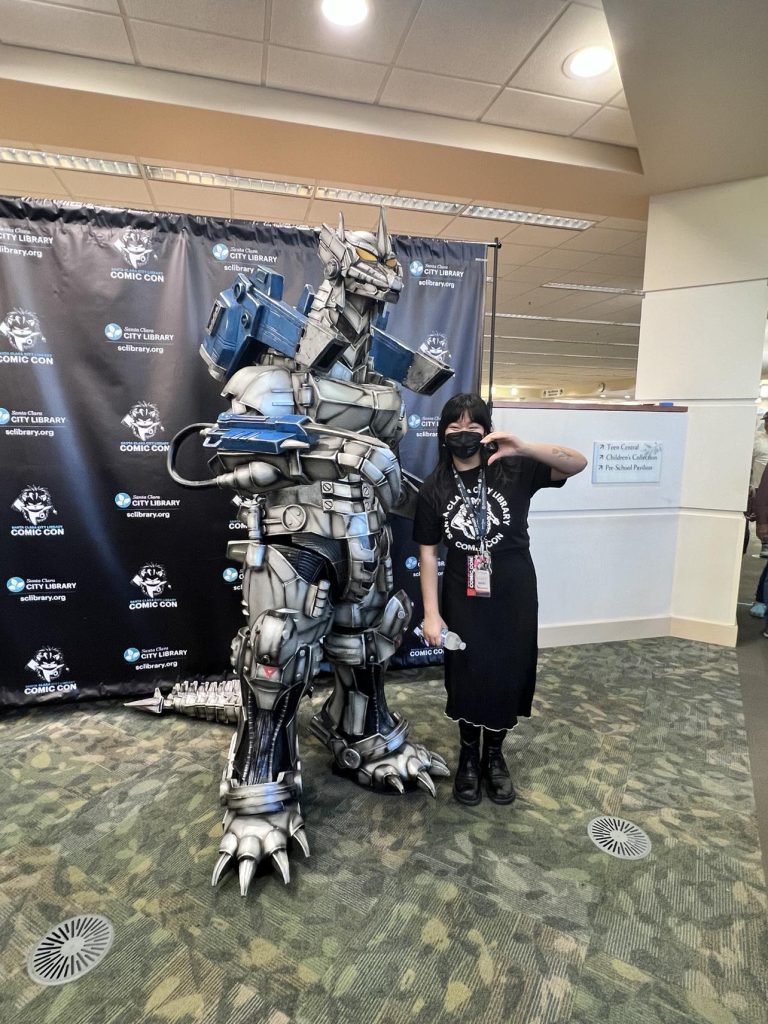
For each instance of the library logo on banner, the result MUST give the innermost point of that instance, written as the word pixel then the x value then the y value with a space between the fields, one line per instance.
pixel 143 421
pixel 49 666
pixel 436 345
pixel 425 426
pixel 143 340
pixel 437 275
pixel 29 423
pixel 233 576
pixel 43 589
pixel 416 268
pixel 154 657
pixel 21 333
pixel 19 242
pixel 146 506
pixel 137 247
pixel 35 505
pixel 152 581
pixel 242 259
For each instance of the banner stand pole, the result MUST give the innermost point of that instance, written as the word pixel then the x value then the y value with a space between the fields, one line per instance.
pixel 492 348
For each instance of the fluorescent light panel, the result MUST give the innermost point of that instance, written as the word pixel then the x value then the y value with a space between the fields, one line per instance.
pixel 68 162
pixel 544 220
pixel 182 176
pixel 345 195
pixel 563 319
pixel 592 288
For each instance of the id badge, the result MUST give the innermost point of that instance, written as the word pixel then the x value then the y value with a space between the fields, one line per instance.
pixel 478 576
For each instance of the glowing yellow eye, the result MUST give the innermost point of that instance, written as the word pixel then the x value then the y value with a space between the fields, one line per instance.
pixel 391 263
pixel 365 255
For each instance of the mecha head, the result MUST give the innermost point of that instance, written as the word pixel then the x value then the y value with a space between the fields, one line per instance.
pixel 362 262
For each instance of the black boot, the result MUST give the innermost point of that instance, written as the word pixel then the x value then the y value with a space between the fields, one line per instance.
pixel 466 782
pixel 498 784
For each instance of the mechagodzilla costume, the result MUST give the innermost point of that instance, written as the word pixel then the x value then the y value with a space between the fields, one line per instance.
pixel 310 448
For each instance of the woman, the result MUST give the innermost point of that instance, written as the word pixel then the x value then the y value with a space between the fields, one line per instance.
pixel 476 501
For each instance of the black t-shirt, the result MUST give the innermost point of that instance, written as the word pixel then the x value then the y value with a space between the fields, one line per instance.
pixel 441 515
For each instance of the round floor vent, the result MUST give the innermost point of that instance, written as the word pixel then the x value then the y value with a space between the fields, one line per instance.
pixel 618 837
pixel 71 949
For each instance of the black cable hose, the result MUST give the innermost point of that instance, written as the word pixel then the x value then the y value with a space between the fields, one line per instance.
pixel 173 451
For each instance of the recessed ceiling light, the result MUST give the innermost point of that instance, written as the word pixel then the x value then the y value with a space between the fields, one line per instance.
pixel 68 162
pixel 347 195
pixel 545 220
pixel 181 176
pixel 590 62
pixel 591 288
pixel 345 12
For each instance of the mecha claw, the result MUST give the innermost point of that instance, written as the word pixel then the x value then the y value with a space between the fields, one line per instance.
pixel 423 780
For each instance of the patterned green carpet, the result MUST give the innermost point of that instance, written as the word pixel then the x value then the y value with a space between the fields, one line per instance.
pixel 410 910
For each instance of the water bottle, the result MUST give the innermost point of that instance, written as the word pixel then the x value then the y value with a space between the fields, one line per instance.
pixel 448 639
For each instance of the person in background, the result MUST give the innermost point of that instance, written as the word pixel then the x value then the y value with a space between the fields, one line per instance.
pixel 476 502
pixel 760 506
pixel 759 462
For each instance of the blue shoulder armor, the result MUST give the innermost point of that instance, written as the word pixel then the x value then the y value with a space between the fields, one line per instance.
pixel 416 371
pixel 251 317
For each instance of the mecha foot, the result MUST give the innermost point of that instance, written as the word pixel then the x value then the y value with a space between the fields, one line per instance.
pixel 379 761
pixel 250 839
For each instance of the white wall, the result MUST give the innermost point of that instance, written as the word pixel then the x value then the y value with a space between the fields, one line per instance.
pixel 701 342
pixel 604 553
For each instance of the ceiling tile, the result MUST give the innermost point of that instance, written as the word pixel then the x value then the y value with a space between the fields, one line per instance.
pixel 563 259
pixel 243 19
pixel 474 229
pixel 533 234
pixel 543 70
pixel 361 217
pixel 484 39
pixel 299 23
pixel 258 206
pixel 609 125
pixel 532 275
pixel 101 187
pixel 521 254
pixel 179 49
pixel 636 248
pixel 624 224
pixel 195 198
pixel 599 239
pixel 620 100
pixel 615 265
pixel 436 94
pixel 15 180
pixel 64 30
pixel 507 290
pixel 319 74
pixel 414 222
pixel 105 6
pixel 579 277
pixel 536 112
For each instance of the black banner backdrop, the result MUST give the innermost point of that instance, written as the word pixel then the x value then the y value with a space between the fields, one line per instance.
pixel 116 580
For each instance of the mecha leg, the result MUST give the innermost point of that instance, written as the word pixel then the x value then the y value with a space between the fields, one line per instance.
pixel 367 740
pixel 275 655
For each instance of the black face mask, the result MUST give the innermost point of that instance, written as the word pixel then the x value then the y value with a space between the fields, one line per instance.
pixel 463 443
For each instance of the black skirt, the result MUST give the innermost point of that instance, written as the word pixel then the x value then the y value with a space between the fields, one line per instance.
pixel 493 680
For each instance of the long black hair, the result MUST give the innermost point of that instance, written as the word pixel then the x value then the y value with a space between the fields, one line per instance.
pixel 452 411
